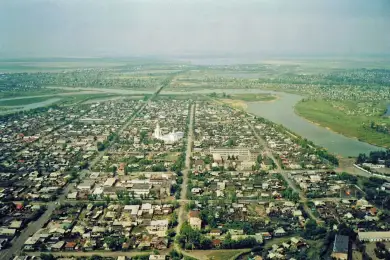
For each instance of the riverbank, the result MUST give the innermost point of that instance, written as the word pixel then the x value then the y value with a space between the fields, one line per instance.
pixel 264 97
pixel 239 104
pixel 282 112
pixel 240 101
pixel 339 118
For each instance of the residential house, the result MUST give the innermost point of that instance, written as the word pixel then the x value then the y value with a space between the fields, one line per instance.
pixel 194 219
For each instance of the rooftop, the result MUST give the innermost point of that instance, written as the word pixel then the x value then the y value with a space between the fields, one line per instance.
pixel 341 244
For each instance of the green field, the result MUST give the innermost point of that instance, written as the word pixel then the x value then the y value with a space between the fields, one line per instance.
pixel 29 93
pixel 253 97
pixel 225 254
pixel 23 101
pixel 350 118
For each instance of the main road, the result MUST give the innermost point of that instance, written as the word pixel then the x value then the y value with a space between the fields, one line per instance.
pixel 183 193
pixel 284 174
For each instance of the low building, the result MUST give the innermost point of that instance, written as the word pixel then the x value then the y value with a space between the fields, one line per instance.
pixel 140 189
pixel 86 185
pixel 194 219
pixel 225 152
pixel 340 247
pixel 133 209
pixel 279 232
pixel 215 232
pixel 157 257
pixel 72 195
pixel 109 182
pixel 7 232
pixel 374 236
pixel 158 227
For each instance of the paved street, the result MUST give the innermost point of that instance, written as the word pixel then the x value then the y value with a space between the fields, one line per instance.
pixel 183 194
pixel 284 173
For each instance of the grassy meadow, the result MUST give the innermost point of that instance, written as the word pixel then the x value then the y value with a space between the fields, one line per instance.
pixel 349 118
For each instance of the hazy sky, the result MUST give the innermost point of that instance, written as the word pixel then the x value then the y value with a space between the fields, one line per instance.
pixel 201 27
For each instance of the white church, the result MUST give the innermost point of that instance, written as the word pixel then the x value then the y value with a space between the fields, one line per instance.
pixel 168 138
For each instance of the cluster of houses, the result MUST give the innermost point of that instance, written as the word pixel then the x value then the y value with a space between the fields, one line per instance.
pixel 99 186
pixel 241 185
pixel 18 130
pixel 81 227
pixel 163 116
pixel 224 135
pixel 358 213
pixel 287 249
pixel 109 113
pixel 138 147
pixel 222 126
pixel 14 217
pixel 317 184
pixel 42 168
pixel 33 186
pixel 287 148
pixel 140 77
pixel 272 219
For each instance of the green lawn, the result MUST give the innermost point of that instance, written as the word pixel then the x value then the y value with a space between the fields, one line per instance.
pixel 348 118
pixel 23 101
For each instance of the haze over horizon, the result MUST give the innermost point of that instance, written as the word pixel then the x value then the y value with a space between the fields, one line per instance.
pixel 96 28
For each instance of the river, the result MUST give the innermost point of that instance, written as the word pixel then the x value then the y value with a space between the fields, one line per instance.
pixel 281 111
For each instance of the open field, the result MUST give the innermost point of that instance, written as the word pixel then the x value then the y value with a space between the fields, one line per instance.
pixel 96 97
pixel 23 101
pixel 347 118
pixel 235 103
pixel 217 254
pixel 356 255
pixel 32 92
pixel 370 247
pixel 239 100
pixel 110 98
pixel 253 97
pixel 181 96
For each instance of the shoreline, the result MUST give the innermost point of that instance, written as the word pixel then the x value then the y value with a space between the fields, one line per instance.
pixel 242 104
pixel 333 131
pixel 239 104
pixel 313 123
